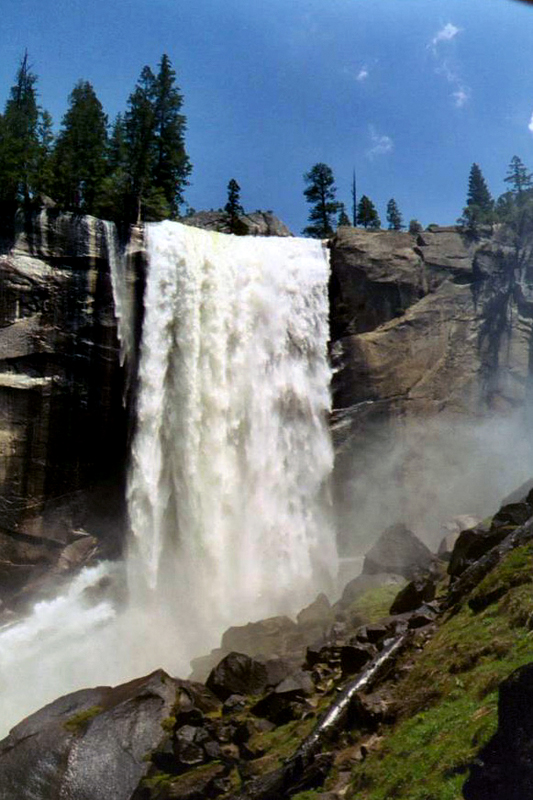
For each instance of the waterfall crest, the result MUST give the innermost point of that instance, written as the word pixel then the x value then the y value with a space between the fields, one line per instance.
pixel 228 492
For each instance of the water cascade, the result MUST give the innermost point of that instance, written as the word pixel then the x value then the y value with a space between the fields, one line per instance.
pixel 228 494
pixel 228 490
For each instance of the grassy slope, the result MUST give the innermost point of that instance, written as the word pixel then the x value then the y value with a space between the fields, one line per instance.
pixel 448 700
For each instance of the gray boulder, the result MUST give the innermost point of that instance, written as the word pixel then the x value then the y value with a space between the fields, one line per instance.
pixel 93 744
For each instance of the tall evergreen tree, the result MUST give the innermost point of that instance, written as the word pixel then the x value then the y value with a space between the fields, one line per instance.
pixel 115 186
pixel 479 207
pixel 140 143
pixel 354 200
pixel 394 218
pixel 80 152
pixel 517 175
pixel 320 193
pixel 158 165
pixel 19 142
pixel 233 207
pixel 344 219
pixel 367 215
pixel 172 166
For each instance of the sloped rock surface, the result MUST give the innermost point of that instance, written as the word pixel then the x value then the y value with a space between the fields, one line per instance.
pixel 257 223
pixel 398 551
pixel 91 745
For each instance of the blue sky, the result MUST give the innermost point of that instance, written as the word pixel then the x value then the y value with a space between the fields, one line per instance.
pixel 409 92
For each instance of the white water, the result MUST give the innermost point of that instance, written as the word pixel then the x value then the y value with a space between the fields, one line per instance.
pixel 228 492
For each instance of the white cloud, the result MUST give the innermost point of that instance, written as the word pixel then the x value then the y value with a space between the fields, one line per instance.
pixel 362 75
pixel 446 34
pixel 460 93
pixel 381 144
pixel 530 126
pixel 461 96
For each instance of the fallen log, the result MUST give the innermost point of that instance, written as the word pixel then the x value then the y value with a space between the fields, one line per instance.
pixel 308 766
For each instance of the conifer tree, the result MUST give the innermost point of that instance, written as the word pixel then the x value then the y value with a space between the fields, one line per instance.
pixel 233 207
pixel 320 193
pixel 367 215
pixel 517 175
pixel 479 207
pixel 172 166
pixel 80 152
pixel 158 166
pixel 344 219
pixel 19 143
pixel 394 218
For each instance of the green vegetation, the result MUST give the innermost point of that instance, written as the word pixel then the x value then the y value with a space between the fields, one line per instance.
pixel 374 604
pixel 320 193
pixel 448 701
pixel 80 721
pixel 479 207
pixel 367 215
pixel 394 218
pixel 233 207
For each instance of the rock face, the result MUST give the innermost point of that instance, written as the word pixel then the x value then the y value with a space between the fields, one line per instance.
pixel 62 422
pixel 258 223
pixel 91 745
pixel 436 326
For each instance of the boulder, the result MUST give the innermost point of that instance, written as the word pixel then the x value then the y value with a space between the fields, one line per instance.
pixel 275 636
pixel 472 544
pixel 504 767
pixel 354 657
pixel 286 701
pixel 317 617
pixel 420 590
pixel 93 743
pixel 257 223
pixel 237 673
pixel 399 551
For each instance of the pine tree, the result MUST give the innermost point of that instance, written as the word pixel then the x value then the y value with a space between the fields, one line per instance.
pixel 344 219
pixel 19 142
pixel 233 207
pixel 320 193
pixel 172 166
pixel 157 164
pixel 394 218
pixel 479 207
pixel 80 152
pixel 367 215
pixel 520 179
pixel 115 186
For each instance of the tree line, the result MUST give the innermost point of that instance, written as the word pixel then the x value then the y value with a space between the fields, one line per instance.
pixel 327 213
pixel 137 169
pixel 514 207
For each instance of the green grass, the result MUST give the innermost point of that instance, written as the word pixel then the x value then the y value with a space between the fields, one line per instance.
pixel 79 722
pixel 374 604
pixel 448 700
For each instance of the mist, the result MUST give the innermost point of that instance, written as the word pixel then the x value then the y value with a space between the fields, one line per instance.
pixel 426 472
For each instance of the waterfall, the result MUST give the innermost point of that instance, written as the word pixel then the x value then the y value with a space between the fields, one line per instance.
pixel 228 493
pixel 228 490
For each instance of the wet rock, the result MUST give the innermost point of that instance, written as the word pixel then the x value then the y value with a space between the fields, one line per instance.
pixel 237 673
pixel 277 669
pixel 92 743
pixel 319 614
pixel 234 703
pixel 275 636
pixel 504 767
pixel 399 551
pixel 354 657
pixel 417 591
pixel 372 633
pixel 285 702
pixel 472 544
pixel 512 515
